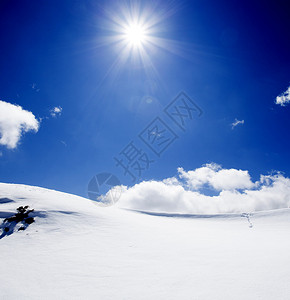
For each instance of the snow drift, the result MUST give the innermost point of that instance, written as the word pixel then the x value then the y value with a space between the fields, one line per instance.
pixel 78 250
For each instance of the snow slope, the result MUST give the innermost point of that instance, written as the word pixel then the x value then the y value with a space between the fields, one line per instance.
pixel 77 250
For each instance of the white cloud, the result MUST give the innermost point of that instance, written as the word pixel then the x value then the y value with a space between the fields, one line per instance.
pixel 237 122
pixel 236 193
pixel 284 98
pixel 215 177
pixel 56 111
pixel 14 121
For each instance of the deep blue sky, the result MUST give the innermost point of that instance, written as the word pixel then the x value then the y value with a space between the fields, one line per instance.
pixel 233 61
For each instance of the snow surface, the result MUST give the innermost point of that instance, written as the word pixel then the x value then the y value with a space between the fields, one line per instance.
pixel 78 250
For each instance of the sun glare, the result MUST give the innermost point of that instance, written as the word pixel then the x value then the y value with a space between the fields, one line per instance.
pixel 135 35
pixel 135 30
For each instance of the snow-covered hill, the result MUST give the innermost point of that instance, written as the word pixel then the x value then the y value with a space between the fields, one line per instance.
pixel 78 250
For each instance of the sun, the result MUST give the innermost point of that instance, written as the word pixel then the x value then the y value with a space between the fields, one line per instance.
pixel 135 31
pixel 135 35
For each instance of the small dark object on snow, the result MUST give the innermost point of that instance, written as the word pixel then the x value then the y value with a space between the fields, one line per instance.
pixel 22 217
pixel 29 220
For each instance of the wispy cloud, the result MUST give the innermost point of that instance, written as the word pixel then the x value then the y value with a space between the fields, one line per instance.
pixel 14 122
pixel 284 98
pixel 237 122
pixel 56 111
pixel 34 87
pixel 235 192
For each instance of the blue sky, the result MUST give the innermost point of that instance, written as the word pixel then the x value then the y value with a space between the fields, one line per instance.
pixel 230 58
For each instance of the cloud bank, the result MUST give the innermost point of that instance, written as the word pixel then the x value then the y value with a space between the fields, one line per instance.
pixel 284 98
pixel 14 122
pixel 235 192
